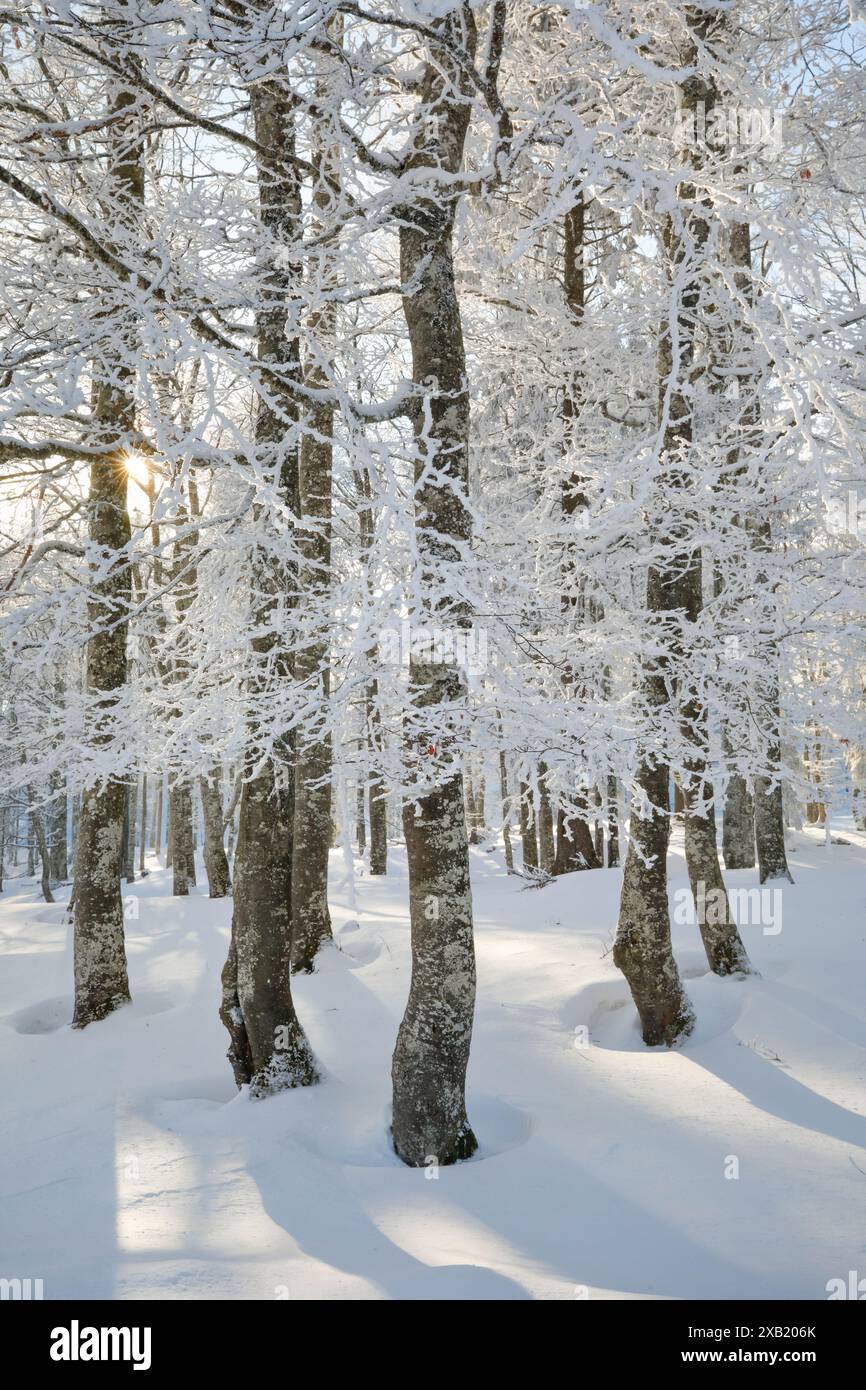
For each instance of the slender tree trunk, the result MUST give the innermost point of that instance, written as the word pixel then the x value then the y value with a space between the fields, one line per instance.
pixel 506 812
pixel 101 980
pixel 527 827
pixel 130 823
pixel 612 825
pixel 59 865
pixel 142 849
pixel 215 862
pixel 44 857
pixel 546 839
pixel 360 819
pixel 432 1050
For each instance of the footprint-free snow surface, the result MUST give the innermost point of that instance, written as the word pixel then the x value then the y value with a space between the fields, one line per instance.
pixel 731 1167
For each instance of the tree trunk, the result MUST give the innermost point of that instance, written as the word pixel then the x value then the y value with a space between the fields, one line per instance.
pixel 527 827
pixel 506 812
pixel 642 950
pixel 432 1050
pixel 612 824
pixel 378 826
pixel 44 857
pixel 574 845
pixel 130 822
pixel 268 1049
pixel 360 819
pixel 143 846
pixel 738 825
pixel 180 821
pixel 546 840
pixel 101 980
pixel 59 865
pixel 215 862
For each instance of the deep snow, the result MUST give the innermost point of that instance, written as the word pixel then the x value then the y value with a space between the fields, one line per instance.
pixel 130 1167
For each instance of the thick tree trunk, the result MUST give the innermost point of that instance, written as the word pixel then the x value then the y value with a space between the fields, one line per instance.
pixel 378 826
pixel 738 825
pixel 311 920
pixel 574 844
pixel 101 980
pixel 215 862
pixel 643 947
pixel 268 1049
pixel 770 826
pixel 642 950
pixel 180 821
pixel 432 1051
pixel 725 951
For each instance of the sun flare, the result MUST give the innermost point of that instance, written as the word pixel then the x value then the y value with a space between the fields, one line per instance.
pixel 138 470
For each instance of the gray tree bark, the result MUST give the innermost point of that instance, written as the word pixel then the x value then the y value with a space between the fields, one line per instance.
pixel 546 839
pixel 180 822
pixel 142 849
pixel 130 822
pixel 612 824
pixel 101 979
pixel 432 1050
pixel 528 837
pixel 268 1049
pixel 59 857
pixel 738 825
pixel 215 861
pixel 506 812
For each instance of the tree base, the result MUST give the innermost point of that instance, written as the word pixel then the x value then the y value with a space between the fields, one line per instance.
pixel 96 1011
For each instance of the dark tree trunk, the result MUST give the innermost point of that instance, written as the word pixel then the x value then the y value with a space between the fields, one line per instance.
pixel 215 861
pixel 738 825
pixel 59 865
pixel 311 919
pixel 130 822
pixel 268 1049
pixel 101 980
pixel 44 857
pixel 642 950
pixel 574 844
pixel 432 1051
pixel 180 822
pixel 378 826
pixel 506 812
pixel 527 827
pixel 142 849
pixel 360 819
pixel 612 825
pixel 546 840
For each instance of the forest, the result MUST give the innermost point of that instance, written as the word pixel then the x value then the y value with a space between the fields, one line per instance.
pixel 432 666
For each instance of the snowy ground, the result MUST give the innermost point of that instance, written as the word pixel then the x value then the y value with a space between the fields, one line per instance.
pixel 130 1168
